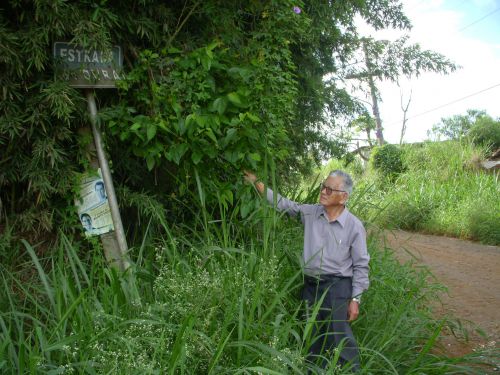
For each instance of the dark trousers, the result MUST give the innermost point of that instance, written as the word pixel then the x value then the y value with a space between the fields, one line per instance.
pixel 331 329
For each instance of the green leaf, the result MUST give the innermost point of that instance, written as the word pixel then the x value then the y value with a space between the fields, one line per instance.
pixel 182 126
pixel 176 107
pixel 231 156
pixel 196 157
pixel 206 62
pixel 253 117
pixel 254 156
pixel 150 162
pixel 201 120
pixel 228 196
pixel 151 131
pixel 211 135
pixel 245 209
pixel 231 134
pixel 176 152
pixel 234 98
pixel 220 105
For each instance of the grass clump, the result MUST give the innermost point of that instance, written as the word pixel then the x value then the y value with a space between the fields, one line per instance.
pixel 201 302
pixel 439 193
pixel 484 224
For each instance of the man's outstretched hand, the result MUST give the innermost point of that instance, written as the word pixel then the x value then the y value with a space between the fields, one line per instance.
pixel 252 179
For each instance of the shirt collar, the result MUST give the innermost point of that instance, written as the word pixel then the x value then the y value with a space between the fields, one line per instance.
pixel 341 219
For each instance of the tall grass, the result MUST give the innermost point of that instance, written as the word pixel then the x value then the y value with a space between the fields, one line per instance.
pixel 223 300
pixel 441 192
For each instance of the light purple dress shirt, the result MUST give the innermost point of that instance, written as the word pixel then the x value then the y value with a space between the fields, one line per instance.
pixel 335 247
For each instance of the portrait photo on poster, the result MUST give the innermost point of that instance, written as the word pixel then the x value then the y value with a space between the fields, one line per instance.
pixel 100 190
pixel 93 207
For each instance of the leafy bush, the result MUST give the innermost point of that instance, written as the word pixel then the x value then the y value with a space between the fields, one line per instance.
pixel 408 209
pixel 436 192
pixel 486 132
pixel 484 224
pixel 387 159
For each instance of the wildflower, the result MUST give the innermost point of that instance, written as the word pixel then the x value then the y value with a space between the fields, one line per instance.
pixel 297 10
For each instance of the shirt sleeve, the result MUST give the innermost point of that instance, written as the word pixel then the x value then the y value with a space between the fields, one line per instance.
pixel 360 260
pixel 283 204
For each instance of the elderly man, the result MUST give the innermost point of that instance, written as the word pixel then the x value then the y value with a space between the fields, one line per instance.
pixel 335 261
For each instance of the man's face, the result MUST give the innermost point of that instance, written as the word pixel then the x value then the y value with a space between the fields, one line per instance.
pixel 100 190
pixel 332 192
pixel 87 224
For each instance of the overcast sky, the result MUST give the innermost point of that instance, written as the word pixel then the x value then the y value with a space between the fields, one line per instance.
pixel 465 31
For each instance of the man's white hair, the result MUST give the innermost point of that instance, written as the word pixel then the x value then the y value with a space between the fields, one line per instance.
pixel 346 179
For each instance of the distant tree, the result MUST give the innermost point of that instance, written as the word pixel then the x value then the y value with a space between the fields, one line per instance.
pixel 390 60
pixel 457 126
pixel 364 124
pixel 486 132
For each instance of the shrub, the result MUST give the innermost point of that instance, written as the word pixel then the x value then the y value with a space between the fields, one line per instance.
pixel 486 132
pixel 408 211
pixel 484 224
pixel 387 160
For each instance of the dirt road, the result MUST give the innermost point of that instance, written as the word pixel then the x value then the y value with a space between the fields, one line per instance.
pixel 472 274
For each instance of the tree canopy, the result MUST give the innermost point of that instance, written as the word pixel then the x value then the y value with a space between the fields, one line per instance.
pixel 211 88
pixel 457 126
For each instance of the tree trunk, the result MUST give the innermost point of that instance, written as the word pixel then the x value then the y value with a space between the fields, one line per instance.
pixel 373 91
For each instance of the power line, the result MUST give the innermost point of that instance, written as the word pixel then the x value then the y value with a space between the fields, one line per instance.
pixel 450 103
pixel 478 20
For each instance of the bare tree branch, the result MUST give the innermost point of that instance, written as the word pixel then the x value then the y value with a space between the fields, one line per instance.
pixel 405 112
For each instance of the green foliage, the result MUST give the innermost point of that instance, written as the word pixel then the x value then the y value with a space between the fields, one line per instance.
pixel 485 132
pixel 211 88
pixel 364 124
pixel 387 160
pixel 483 222
pixel 194 306
pixel 390 60
pixel 439 193
pixel 409 212
pixel 204 117
pixel 457 126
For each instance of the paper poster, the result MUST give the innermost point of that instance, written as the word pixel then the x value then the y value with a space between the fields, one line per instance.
pixel 93 206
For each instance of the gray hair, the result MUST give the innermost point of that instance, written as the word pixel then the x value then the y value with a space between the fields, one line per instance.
pixel 346 179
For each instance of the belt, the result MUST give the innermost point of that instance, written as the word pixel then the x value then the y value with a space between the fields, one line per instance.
pixel 323 278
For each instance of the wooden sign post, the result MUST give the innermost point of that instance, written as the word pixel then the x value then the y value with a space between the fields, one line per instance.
pixel 89 69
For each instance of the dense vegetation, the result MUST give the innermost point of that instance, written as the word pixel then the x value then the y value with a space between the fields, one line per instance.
pixel 222 301
pixel 475 125
pixel 211 88
pixel 440 190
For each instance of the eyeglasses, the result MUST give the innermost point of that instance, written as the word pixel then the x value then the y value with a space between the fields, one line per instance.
pixel 328 189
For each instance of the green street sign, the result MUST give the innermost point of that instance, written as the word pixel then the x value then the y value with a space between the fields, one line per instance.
pixel 87 67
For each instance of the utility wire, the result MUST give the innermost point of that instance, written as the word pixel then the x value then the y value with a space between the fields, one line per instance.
pixel 447 104
pixel 478 20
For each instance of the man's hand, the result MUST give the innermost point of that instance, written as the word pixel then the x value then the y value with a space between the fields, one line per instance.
pixel 352 311
pixel 250 177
